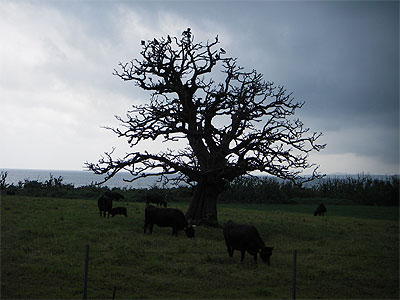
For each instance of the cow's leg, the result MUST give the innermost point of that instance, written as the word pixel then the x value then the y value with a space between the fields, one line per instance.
pixel 228 247
pixel 242 255
pixel 151 228
pixel 255 257
pixel 100 213
pixel 175 231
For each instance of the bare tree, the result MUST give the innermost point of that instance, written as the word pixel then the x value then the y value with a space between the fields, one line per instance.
pixel 233 127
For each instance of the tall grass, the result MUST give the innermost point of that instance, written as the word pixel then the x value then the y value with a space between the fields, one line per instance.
pixel 361 190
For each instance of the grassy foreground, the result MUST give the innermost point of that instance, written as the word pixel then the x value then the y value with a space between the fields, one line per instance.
pixel 43 251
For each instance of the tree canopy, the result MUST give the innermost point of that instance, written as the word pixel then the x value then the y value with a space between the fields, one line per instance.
pixel 231 128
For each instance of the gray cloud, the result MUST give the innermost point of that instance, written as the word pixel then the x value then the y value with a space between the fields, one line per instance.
pixel 57 59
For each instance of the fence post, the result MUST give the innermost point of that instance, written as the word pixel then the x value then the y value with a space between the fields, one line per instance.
pixel 86 273
pixel 294 274
pixel 115 289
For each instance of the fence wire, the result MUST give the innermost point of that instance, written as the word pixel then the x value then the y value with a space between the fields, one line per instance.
pixel 302 283
pixel 288 252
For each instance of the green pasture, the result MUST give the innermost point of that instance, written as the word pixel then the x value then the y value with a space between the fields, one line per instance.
pixel 352 252
pixel 334 210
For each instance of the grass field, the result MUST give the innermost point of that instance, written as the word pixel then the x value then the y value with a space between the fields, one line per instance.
pixel 352 252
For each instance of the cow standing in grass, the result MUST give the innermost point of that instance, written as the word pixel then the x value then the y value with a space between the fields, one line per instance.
pixel 167 217
pixel 321 209
pixel 105 202
pixel 246 238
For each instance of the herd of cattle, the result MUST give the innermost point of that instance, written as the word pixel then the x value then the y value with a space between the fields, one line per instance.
pixel 239 237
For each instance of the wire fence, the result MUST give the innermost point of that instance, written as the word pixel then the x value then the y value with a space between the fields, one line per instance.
pixel 275 252
pixel 297 281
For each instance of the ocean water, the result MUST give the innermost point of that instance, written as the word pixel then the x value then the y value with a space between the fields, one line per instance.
pixel 77 178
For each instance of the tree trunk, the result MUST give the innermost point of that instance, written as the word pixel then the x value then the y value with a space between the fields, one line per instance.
pixel 203 206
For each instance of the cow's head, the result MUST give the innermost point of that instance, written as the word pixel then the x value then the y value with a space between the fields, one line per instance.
pixel 265 254
pixel 189 230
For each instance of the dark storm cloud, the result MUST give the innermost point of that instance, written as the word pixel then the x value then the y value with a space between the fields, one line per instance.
pixel 340 57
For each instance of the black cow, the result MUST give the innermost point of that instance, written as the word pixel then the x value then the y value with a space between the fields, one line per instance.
pixel 245 238
pixel 105 202
pixel 167 217
pixel 321 209
pixel 119 211
pixel 157 199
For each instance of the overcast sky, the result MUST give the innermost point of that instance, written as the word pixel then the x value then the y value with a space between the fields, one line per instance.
pixel 57 59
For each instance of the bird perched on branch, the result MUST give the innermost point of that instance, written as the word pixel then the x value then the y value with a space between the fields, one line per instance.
pixel 187 32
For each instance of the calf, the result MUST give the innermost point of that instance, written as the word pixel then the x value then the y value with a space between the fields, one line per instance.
pixel 119 211
pixel 167 217
pixel 321 209
pixel 157 199
pixel 245 238
pixel 105 202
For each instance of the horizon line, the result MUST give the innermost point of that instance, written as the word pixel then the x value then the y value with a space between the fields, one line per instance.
pixel 327 174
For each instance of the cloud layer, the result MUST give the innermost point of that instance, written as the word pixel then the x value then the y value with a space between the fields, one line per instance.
pixel 57 59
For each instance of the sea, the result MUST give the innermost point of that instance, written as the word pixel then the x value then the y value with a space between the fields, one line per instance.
pixel 78 178
pixel 85 178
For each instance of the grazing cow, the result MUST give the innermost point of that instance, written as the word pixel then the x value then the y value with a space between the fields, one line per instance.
pixel 157 199
pixel 167 217
pixel 245 238
pixel 321 209
pixel 119 211
pixel 105 202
